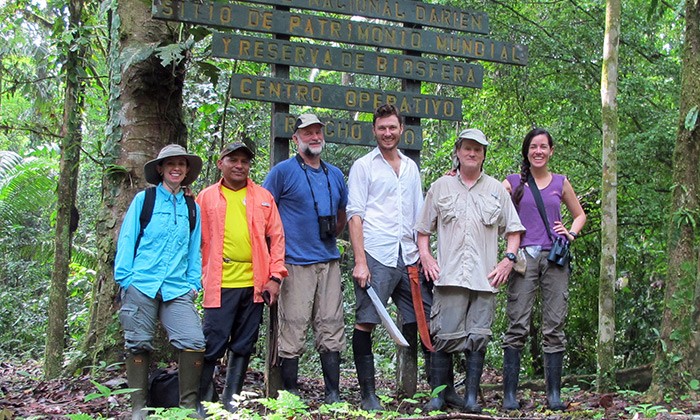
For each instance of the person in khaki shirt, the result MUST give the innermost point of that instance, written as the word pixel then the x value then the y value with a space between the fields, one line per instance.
pixel 469 212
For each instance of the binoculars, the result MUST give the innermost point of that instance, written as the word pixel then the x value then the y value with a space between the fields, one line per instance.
pixel 560 253
pixel 327 227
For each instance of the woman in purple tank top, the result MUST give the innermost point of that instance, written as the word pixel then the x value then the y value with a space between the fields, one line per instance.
pixel 551 278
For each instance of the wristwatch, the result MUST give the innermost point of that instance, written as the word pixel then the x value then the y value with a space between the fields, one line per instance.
pixel 276 280
pixel 512 257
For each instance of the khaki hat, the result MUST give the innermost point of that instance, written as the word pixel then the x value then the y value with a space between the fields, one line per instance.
pixel 472 134
pixel 194 164
pixel 232 147
pixel 306 120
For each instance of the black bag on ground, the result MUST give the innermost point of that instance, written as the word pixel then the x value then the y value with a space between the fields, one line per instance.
pixel 163 389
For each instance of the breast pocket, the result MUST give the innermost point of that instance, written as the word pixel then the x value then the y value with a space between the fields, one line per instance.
pixel 489 209
pixel 447 209
pixel 262 212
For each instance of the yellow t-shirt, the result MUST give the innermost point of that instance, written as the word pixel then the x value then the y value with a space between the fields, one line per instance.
pixel 237 252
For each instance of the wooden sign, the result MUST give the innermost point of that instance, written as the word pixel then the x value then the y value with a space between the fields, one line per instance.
pixel 268 50
pixel 351 132
pixel 416 12
pixel 339 30
pixel 319 95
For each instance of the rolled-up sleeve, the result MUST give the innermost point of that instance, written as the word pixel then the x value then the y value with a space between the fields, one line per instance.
pixel 358 189
pixel 426 221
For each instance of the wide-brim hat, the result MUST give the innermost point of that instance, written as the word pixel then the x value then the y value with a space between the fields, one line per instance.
pixel 194 163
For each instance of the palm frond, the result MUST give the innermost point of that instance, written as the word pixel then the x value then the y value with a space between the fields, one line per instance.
pixel 27 188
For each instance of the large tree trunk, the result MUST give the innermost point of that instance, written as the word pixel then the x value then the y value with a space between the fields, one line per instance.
pixel 67 190
pixel 678 356
pixel 608 221
pixel 145 114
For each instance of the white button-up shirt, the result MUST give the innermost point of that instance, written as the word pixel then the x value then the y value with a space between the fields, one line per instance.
pixel 388 206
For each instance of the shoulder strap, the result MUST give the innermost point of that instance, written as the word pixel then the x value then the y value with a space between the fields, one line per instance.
pixel 146 213
pixel 540 205
pixel 191 211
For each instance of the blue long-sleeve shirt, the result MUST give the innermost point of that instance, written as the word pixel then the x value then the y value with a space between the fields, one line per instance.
pixel 169 257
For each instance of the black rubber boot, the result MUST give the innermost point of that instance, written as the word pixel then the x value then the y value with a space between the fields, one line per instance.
pixel 440 367
pixel 511 370
pixel 235 376
pixel 475 366
pixel 365 376
pixel 189 366
pixel 452 398
pixel 330 364
pixel 206 386
pixel 552 379
pixel 290 374
pixel 137 366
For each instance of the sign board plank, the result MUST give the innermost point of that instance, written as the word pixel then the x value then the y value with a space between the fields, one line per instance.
pixel 416 12
pixel 350 132
pixel 346 31
pixel 268 50
pixel 319 95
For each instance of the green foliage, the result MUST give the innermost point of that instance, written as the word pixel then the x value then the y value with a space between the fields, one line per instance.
pixel 694 385
pixel 104 391
pixel 648 411
pixel 287 405
pixel 106 394
pixel 170 413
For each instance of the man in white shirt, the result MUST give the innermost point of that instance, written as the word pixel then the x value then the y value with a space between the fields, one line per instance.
pixel 385 198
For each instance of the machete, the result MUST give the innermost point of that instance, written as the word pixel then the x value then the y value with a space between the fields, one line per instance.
pixel 388 323
pixel 418 308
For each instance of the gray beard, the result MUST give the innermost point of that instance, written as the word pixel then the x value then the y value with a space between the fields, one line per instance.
pixel 310 153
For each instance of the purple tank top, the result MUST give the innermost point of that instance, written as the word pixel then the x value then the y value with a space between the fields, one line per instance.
pixel 536 234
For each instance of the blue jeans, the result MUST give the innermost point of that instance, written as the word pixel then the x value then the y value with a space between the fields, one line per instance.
pixel 139 315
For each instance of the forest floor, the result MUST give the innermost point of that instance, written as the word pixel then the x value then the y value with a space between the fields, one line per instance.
pixel 25 395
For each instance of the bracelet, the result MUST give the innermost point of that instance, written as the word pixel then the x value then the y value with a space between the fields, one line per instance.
pixel 574 234
pixel 276 280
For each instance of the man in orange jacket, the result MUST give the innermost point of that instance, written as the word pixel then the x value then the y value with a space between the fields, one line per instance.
pixel 242 263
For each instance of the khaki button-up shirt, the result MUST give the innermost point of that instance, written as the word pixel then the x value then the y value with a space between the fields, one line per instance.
pixel 468 222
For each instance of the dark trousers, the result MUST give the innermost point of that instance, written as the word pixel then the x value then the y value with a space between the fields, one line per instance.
pixel 234 325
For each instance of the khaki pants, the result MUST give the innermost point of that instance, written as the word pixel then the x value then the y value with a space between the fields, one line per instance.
pixel 461 319
pixel 311 295
pixel 553 282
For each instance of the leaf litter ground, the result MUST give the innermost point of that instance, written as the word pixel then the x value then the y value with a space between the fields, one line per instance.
pixel 25 394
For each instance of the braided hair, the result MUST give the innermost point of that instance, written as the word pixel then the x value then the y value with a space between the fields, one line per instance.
pixel 525 164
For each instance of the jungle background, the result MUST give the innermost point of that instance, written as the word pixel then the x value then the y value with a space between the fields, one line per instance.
pixel 89 91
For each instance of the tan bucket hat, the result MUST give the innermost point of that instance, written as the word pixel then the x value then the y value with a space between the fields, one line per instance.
pixel 194 162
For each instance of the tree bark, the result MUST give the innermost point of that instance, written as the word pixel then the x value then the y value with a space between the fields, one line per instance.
pixel 67 191
pixel 678 355
pixel 608 221
pixel 145 115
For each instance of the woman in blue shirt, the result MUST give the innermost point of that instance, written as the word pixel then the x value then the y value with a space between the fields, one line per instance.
pixel 158 268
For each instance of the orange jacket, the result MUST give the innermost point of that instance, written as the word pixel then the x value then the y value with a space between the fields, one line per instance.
pixel 266 238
